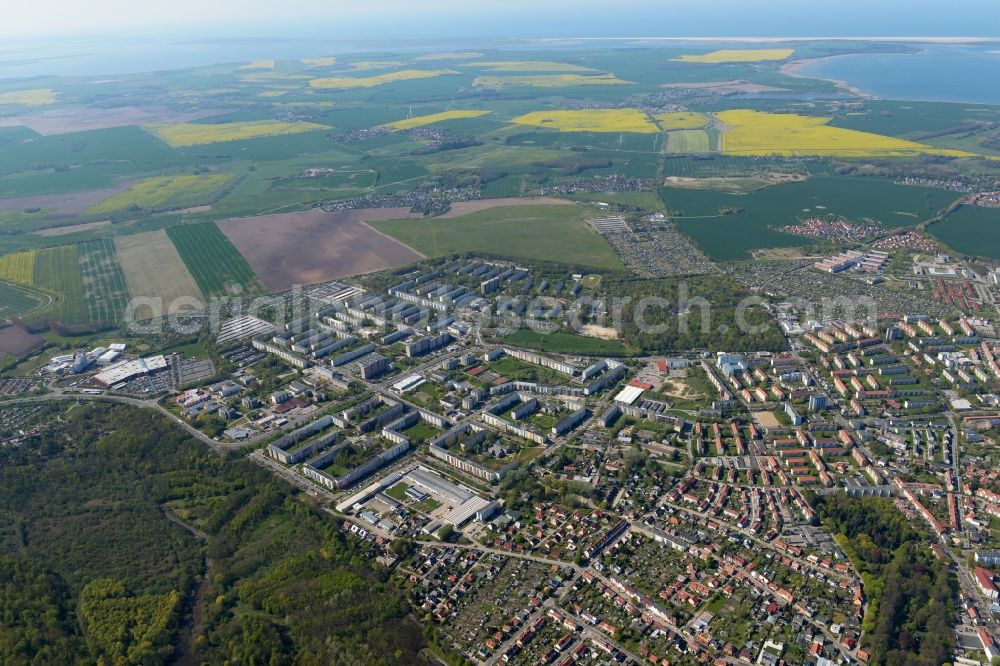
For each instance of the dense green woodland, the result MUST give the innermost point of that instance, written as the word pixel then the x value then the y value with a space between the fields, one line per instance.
pixel 908 622
pixel 126 542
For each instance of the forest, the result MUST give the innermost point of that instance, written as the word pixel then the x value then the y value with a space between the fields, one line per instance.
pixel 124 541
pixel 910 590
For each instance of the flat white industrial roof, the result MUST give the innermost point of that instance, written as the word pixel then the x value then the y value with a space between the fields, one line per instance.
pixel 629 394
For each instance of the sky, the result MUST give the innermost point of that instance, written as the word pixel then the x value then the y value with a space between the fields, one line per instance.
pixel 368 19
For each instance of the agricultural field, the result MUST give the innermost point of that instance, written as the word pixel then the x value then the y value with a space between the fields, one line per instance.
pixel 162 193
pixel 738 55
pixel 529 66
pixel 312 246
pixel 758 133
pixel 33 97
pixel 154 269
pixel 197 134
pixel 258 64
pixel 689 141
pixel 682 120
pixel 18 268
pixel 971 230
pixel 325 61
pixel 57 272
pixel 105 294
pixel 16 301
pixel 430 119
pixel 590 120
pixel 728 226
pixel 545 233
pixel 549 81
pixel 349 82
pixel 216 265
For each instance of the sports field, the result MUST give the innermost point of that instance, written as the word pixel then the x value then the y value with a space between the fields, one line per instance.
pixel 590 120
pixel 738 55
pixel 429 119
pixel 105 294
pixel 549 81
pixel 681 120
pixel 349 82
pixel 216 265
pixel 197 134
pixel 162 193
pixel 33 97
pixel 154 269
pixel 546 233
pixel 759 133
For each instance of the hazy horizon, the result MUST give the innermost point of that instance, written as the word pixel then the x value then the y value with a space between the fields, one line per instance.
pixel 448 19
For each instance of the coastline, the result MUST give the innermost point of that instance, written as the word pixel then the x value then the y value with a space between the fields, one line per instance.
pixel 795 67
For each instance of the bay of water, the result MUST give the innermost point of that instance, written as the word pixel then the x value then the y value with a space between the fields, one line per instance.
pixel 942 73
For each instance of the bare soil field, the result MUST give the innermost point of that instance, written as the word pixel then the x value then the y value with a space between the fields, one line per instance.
pixel 315 246
pixel 62 205
pixel 17 341
pixel 600 332
pixel 767 419
pixel 154 269
pixel 63 121
pixel 460 208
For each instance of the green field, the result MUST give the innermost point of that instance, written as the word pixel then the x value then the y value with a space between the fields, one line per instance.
pixel 689 141
pixel 971 230
pixel 57 271
pixel 546 233
pixel 753 216
pixel 566 343
pixel 214 262
pixel 16 301
pixel 104 291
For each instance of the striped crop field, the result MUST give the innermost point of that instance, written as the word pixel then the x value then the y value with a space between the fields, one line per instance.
pixel 18 267
pixel 57 271
pixel 214 262
pixel 105 293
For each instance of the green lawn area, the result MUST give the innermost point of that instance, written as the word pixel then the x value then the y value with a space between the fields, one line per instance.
pixel 566 343
pixel 422 431
pixel 547 233
pixel 427 505
pixel 398 491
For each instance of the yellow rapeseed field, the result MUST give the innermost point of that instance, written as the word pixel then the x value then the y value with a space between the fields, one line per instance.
pixel 419 121
pixel 590 120
pixel 529 66
pixel 197 134
pixel 162 193
pixel 759 133
pixel 738 55
pixel 327 61
pixel 259 64
pixel 348 82
pixel 549 80
pixel 18 267
pixel 681 120
pixel 33 97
